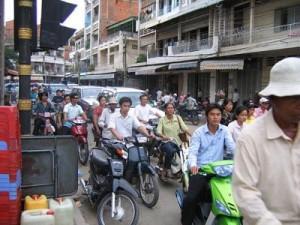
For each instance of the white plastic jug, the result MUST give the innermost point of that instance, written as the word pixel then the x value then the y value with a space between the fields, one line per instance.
pixel 63 210
pixel 38 217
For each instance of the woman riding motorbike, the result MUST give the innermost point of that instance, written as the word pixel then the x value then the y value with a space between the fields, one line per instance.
pixel 42 107
pixel 168 129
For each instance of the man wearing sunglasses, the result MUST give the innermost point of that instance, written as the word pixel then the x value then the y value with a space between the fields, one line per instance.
pixel 71 111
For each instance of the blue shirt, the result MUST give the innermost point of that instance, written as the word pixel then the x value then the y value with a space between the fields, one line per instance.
pixel 207 147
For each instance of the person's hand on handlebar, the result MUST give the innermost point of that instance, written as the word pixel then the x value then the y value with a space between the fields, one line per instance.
pixel 194 170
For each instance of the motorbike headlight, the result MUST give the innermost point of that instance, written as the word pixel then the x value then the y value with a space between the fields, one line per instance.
pixel 220 206
pixel 223 171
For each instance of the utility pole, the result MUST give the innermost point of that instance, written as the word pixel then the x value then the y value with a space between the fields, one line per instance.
pixel 2 69
pixel 124 59
pixel 139 32
pixel 78 66
pixel 24 20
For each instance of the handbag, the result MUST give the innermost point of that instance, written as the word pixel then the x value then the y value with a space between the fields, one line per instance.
pixel 182 135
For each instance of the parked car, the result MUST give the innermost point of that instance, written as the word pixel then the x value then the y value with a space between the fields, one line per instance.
pixel 88 97
pixel 119 92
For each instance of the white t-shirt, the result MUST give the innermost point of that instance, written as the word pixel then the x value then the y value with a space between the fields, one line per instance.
pixel 124 125
pixel 73 111
pixel 144 112
pixel 103 122
pixel 235 129
pixel 166 99
pixel 158 93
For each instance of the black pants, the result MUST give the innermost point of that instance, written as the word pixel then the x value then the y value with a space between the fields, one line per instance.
pixel 66 130
pixel 197 188
pixel 39 125
pixel 169 149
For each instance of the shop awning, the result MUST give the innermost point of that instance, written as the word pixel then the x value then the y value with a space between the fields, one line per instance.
pixel 184 65
pixel 98 77
pixel 225 64
pixel 147 70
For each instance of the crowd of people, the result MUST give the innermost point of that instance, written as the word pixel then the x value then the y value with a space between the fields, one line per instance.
pixel 272 126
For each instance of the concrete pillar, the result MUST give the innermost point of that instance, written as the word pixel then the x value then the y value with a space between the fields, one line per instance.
pixel 232 82
pixel 108 55
pixel 179 32
pixel 157 8
pixel 185 83
pixel 212 86
pixel 252 6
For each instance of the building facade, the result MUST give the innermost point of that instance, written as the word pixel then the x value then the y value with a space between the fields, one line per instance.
pixel 48 67
pixel 109 41
pixel 203 46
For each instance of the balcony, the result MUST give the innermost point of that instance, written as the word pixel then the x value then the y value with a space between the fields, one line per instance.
pixel 190 48
pixel 273 35
pixel 116 36
pixel 168 12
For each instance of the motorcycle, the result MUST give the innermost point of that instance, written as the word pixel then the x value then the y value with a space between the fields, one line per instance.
pixel 219 208
pixel 43 124
pixel 138 168
pixel 177 164
pixel 109 192
pixel 194 115
pixel 79 131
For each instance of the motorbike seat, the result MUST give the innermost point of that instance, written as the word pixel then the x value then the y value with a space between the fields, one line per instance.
pixel 112 145
pixel 99 158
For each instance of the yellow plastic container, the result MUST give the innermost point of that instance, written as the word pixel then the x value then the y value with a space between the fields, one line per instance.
pixel 36 202
pixel 38 217
pixel 63 210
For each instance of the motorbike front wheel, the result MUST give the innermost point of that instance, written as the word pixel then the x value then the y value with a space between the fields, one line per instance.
pixel 127 211
pixel 149 189
pixel 83 153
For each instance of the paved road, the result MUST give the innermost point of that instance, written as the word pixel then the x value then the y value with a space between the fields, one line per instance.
pixel 166 212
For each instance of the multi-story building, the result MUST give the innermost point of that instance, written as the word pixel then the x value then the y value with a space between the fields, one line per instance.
pixel 110 41
pixel 202 46
pixel 49 66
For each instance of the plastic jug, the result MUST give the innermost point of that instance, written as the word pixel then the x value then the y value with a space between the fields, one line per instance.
pixel 38 217
pixel 36 202
pixel 63 210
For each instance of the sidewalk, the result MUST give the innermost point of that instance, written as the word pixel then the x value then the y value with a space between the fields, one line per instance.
pixel 78 217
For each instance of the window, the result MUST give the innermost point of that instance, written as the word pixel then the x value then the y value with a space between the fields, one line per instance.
pixel 112 60
pixel 134 46
pixel 88 19
pixel 286 16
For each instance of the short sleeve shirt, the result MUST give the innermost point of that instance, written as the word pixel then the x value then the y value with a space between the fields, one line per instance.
pixel 143 112
pixel 124 125
pixel 73 111
pixel 171 127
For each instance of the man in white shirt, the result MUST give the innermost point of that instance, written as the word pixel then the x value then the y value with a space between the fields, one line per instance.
pixel 191 103
pixel 71 111
pixel 122 124
pixel 144 110
pixel 266 181
pixel 167 98
pixel 105 118
pixel 158 95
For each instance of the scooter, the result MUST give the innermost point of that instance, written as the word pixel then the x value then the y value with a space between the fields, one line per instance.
pixel 44 127
pixel 220 208
pixel 79 131
pixel 194 115
pixel 138 170
pixel 109 192
pixel 178 161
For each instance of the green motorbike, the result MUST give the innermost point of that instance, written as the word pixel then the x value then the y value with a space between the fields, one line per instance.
pixel 218 207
